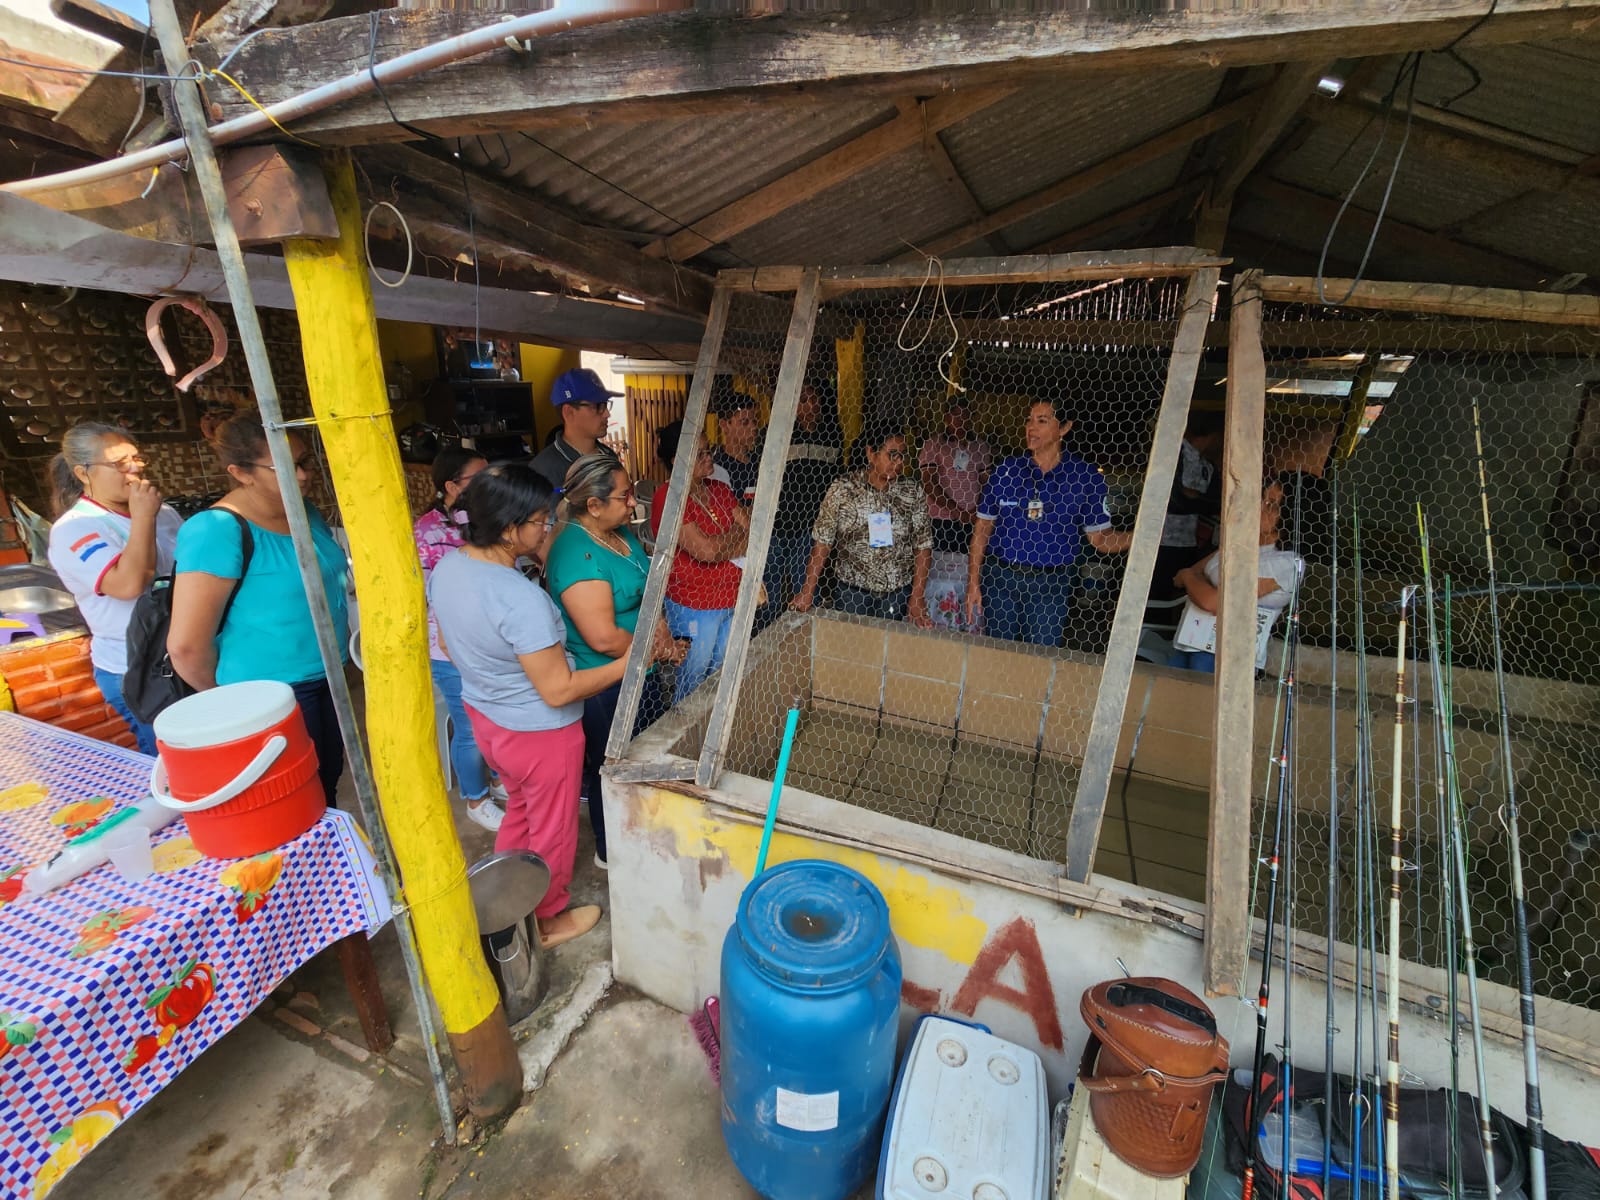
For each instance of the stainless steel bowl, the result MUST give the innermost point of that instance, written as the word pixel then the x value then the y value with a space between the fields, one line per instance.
pixel 35 600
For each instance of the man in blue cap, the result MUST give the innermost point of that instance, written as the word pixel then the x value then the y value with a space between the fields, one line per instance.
pixel 584 406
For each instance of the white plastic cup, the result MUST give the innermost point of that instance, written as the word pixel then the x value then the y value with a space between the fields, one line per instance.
pixel 129 850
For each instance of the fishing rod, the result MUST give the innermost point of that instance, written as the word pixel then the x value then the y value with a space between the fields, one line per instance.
pixel 1333 833
pixel 1287 686
pixel 1519 896
pixel 1391 1100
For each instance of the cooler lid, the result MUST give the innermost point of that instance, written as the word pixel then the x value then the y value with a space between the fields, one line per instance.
pixel 969 1118
pixel 814 923
pixel 224 714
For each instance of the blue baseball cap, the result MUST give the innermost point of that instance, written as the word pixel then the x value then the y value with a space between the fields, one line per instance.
pixel 582 386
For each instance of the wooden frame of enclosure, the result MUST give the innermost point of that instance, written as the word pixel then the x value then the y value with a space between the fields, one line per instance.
pixel 1522 320
pixel 810 286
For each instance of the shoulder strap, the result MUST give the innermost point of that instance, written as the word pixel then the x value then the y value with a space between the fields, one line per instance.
pixel 247 547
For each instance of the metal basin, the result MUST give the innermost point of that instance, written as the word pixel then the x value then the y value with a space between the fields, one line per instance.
pixel 35 600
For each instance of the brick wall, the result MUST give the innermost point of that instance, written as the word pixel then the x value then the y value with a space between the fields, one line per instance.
pixel 53 681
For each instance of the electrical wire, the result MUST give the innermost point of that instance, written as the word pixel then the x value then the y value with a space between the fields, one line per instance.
pixel 1411 66
pixel 366 235
pixel 372 72
pixel 93 72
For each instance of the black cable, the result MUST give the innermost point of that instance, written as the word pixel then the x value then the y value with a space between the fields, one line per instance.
pixel 1411 67
pixel 1477 79
pixel 92 71
pixel 372 73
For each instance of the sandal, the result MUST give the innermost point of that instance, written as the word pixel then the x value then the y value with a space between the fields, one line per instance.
pixel 564 926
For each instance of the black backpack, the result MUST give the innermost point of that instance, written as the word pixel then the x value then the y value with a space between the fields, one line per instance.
pixel 150 683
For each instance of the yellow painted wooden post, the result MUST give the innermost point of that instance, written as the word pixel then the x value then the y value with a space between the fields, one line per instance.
pixel 344 374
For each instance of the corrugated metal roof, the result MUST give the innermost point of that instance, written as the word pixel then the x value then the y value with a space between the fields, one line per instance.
pixel 1559 229
pixel 1429 195
pixel 1119 193
pixel 1550 92
pixel 1047 132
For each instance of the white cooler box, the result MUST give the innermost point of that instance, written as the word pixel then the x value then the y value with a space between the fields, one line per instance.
pixel 969 1119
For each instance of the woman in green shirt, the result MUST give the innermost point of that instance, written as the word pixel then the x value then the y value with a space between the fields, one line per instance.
pixel 596 570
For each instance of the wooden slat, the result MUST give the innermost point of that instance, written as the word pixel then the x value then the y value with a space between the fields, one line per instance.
pixel 655 588
pixel 1228 839
pixel 1154 263
pixel 938 156
pixel 671 65
pixel 900 133
pixel 1500 304
pixel 1102 172
pixel 769 482
pixel 1105 726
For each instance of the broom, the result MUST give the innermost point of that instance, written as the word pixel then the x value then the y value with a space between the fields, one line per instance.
pixel 706 1022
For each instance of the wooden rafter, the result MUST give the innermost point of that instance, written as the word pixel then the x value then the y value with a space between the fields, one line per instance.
pixel 901 132
pixel 1282 102
pixel 656 66
pixel 933 149
pixel 1458 256
pixel 520 227
pixel 1086 180
pixel 1084 236
pixel 1498 304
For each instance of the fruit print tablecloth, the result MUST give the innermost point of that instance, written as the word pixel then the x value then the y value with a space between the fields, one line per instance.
pixel 109 989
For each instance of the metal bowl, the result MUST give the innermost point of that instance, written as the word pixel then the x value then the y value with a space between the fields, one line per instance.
pixel 35 600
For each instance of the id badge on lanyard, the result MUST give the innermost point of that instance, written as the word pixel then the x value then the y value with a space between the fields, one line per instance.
pixel 880 531
pixel 1035 509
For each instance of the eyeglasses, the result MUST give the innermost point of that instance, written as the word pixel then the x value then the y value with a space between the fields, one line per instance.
pixel 896 455
pixel 304 463
pixel 596 405
pixel 628 496
pixel 548 521
pixel 125 465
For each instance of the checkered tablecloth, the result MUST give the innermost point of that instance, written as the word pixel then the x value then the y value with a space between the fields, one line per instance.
pixel 108 989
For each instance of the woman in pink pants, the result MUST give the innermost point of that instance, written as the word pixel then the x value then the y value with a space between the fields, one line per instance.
pixel 522 695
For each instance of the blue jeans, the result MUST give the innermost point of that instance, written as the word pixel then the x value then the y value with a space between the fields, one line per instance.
pixel 1193 660
pixel 315 698
pixel 598 712
pixel 466 762
pixel 111 688
pixel 1021 605
pixel 707 631
pixel 786 569
pixel 887 606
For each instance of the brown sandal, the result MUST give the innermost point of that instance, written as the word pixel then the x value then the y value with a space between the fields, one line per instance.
pixel 564 926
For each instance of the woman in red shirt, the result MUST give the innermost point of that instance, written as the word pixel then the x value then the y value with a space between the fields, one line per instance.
pixel 705 574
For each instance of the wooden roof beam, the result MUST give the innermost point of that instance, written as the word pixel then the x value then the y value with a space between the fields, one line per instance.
pixel 933 149
pixel 1284 98
pixel 903 131
pixel 1091 177
pixel 656 66
pixel 521 225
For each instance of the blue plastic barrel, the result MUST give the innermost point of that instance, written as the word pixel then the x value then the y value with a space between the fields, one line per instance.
pixel 810 1012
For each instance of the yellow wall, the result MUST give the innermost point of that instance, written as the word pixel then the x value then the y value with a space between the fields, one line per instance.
pixel 541 365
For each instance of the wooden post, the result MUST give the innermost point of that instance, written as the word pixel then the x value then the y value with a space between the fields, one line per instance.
pixel 1100 748
pixel 344 374
pixel 655 588
pixel 1232 733
pixel 769 482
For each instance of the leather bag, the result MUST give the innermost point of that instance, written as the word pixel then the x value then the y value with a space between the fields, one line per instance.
pixel 1153 1059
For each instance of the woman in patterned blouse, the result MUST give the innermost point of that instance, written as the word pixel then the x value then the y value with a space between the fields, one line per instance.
pixel 437 532
pixel 875 525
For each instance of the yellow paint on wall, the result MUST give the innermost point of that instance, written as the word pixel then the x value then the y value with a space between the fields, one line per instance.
pixel 922 913
pixel 541 365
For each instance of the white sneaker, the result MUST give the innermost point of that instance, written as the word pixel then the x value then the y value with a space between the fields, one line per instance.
pixel 498 793
pixel 486 813
pixel 601 863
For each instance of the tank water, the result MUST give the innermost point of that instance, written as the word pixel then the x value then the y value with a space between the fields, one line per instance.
pixel 810 1008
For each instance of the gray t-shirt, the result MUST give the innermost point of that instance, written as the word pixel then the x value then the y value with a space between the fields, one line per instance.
pixel 487 616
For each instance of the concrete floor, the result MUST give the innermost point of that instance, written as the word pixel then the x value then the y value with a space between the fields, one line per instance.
pixel 291 1105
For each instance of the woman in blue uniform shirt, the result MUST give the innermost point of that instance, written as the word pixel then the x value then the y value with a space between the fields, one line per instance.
pixel 1034 514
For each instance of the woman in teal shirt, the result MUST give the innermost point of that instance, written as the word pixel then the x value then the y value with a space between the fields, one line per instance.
pixel 596 570
pixel 266 631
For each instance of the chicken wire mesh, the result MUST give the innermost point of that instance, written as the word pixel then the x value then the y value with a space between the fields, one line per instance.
pixel 1369 422
pixel 928 414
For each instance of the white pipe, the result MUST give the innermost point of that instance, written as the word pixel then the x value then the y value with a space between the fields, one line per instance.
pixel 569 14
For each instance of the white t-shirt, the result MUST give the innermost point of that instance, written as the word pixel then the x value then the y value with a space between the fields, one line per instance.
pixel 1195 473
pixel 1280 566
pixel 85 543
